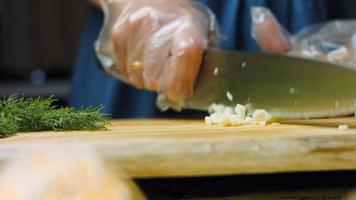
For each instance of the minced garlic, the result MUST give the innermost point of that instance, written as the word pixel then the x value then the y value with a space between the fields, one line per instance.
pixel 224 115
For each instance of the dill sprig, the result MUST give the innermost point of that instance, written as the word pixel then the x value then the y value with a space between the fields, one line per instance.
pixel 18 114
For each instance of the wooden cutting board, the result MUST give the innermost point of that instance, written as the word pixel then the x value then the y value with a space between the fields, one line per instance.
pixel 165 148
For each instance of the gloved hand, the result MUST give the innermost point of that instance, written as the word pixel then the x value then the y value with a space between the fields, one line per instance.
pixel 270 36
pixel 333 41
pixel 156 44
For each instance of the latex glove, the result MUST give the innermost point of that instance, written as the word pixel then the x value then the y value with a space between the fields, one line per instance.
pixel 270 36
pixel 156 44
pixel 333 41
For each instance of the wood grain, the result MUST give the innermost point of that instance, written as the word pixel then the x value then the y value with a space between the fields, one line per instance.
pixel 165 148
pixel 328 122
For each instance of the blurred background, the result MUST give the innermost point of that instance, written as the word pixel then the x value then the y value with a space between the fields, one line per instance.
pixel 38 44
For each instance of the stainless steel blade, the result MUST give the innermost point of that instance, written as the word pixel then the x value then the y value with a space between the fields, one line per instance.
pixel 287 87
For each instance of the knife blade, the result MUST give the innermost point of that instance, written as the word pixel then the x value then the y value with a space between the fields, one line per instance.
pixel 286 87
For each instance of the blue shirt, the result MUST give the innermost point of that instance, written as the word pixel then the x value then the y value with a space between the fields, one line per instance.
pixel 91 86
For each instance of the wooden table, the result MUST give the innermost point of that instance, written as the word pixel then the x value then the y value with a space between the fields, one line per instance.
pixel 267 159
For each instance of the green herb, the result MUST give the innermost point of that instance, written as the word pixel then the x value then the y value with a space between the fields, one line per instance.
pixel 18 114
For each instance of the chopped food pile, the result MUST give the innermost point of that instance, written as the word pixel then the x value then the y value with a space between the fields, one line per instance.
pixel 229 116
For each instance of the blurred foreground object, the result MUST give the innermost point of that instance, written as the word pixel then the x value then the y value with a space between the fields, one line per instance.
pixel 52 173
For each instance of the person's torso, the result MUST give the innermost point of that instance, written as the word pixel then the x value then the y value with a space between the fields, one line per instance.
pixel 92 87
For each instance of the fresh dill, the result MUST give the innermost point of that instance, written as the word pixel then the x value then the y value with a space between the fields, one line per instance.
pixel 18 114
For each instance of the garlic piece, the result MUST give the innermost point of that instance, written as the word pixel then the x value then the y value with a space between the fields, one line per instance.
pixel 249 120
pixel 216 118
pixel 236 120
pixel 343 127
pixel 240 111
pixel 229 96
pixel 261 115
pixel 216 108
pixel 263 123
pixel 243 65
pixel 208 121
pixel 226 119
pixel 228 110
pixel 216 71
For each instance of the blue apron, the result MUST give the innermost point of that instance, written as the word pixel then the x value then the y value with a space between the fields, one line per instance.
pixel 92 87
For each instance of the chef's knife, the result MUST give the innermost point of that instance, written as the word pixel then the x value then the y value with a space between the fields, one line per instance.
pixel 287 87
